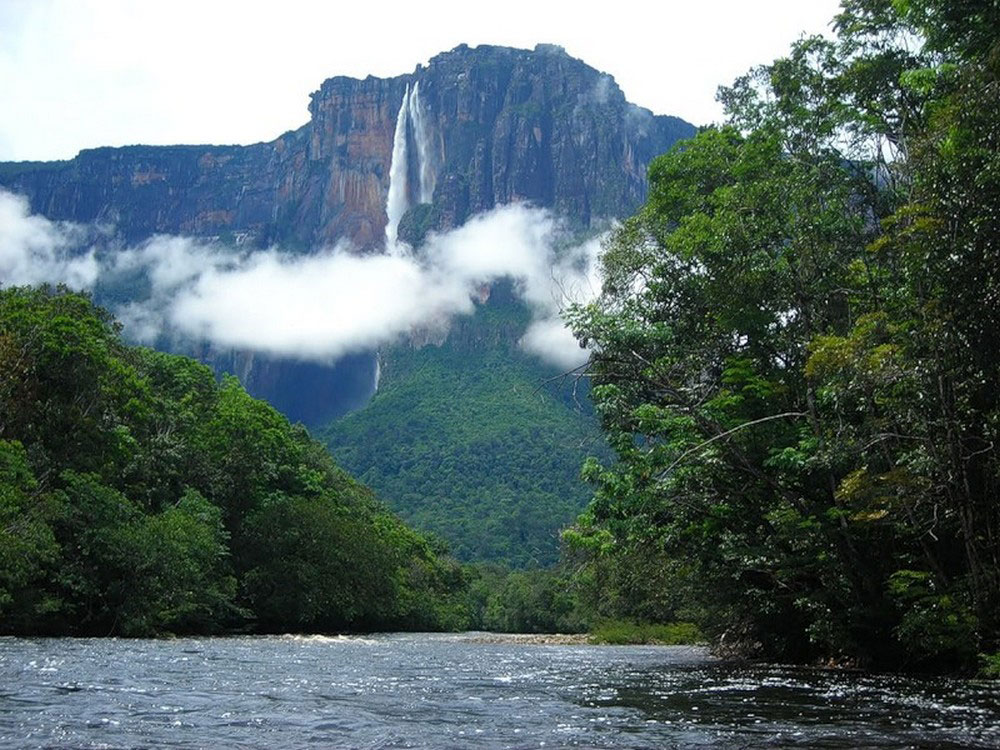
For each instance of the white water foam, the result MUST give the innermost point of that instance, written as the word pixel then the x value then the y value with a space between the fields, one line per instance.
pixel 418 117
pixel 411 115
pixel 397 200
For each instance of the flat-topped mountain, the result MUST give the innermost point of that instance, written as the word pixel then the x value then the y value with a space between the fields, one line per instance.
pixel 501 125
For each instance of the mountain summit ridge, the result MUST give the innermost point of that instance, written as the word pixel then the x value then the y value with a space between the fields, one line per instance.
pixel 510 124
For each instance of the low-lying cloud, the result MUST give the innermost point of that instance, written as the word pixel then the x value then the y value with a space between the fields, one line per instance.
pixel 34 250
pixel 318 306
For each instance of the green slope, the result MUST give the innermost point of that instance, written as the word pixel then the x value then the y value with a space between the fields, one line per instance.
pixel 467 440
pixel 141 497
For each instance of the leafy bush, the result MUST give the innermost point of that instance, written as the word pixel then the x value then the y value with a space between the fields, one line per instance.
pixel 621 632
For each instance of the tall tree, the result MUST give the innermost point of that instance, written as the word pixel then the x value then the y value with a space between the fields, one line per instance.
pixel 796 352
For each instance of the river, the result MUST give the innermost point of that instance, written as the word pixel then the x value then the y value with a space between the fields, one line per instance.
pixel 453 691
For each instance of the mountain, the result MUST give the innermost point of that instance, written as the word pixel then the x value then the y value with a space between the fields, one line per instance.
pixel 505 124
pixel 474 129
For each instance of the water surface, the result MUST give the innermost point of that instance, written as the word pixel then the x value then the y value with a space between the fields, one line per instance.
pixel 449 691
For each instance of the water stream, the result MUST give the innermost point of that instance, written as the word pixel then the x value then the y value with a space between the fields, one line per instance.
pixel 452 691
pixel 400 196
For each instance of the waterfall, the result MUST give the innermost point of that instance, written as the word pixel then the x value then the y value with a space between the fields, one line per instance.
pixel 397 200
pixel 411 115
pixel 425 168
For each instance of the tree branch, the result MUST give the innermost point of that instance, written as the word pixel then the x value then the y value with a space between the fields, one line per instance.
pixel 784 415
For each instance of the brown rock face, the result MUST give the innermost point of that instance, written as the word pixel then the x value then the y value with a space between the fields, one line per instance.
pixel 351 140
pixel 503 124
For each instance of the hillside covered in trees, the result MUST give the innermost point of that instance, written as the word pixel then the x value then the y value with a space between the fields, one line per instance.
pixel 796 355
pixel 476 441
pixel 140 496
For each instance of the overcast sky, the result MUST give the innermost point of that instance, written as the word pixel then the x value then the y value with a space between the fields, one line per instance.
pixel 81 73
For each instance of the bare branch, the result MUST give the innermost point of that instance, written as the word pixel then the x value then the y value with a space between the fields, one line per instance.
pixel 695 449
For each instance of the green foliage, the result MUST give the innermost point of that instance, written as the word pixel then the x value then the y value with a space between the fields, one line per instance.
pixel 294 545
pixel 518 601
pixel 990 665
pixel 532 603
pixel 139 496
pixel 933 624
pixel 468 441
pixel 182 572
pixel 27 545
pixel 621 575
pixel 416 223
pixel 622 632
pixel 797 355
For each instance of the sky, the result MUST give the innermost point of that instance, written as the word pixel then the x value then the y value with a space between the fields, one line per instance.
pixel 83 73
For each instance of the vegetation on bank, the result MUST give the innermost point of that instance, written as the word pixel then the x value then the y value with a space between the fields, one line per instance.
pixel 796 356
pixel 621 632
pixel 140 496
pixel 990 665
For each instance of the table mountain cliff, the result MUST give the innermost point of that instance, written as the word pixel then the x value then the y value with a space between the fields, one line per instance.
pixel 504 125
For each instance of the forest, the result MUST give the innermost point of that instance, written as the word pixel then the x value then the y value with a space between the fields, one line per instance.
pixel 140 496
pixel 796 356
pixel 474 441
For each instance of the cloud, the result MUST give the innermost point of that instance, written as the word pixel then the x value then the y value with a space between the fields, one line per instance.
pixel 170 261
pixel 551 340
pixel 319 306
pixel 573 277
pixel 34 250
pixel 313 307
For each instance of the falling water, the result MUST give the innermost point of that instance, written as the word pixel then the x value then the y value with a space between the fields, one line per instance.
pixel 411 114
pixel 397 201
pixel 426 169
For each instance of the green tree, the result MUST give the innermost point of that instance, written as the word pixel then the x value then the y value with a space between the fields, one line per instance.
pixel 27 544
pixel 796 350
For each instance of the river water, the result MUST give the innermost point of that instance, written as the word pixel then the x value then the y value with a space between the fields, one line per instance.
pixel 453 691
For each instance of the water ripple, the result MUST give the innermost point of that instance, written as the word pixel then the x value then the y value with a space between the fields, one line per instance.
pixel 440 691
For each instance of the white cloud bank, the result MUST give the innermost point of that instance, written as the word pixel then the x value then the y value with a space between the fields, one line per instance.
pixel 34 250
pixel 317 306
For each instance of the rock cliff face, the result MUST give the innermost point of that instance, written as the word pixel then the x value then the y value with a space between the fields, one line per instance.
pixel 499 125
pixel 504 124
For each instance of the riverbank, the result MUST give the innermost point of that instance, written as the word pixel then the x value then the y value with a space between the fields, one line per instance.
pixel 623 632
pixel 616 633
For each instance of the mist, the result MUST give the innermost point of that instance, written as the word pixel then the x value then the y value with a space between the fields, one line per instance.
pixel 314 307
pixel 34 250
